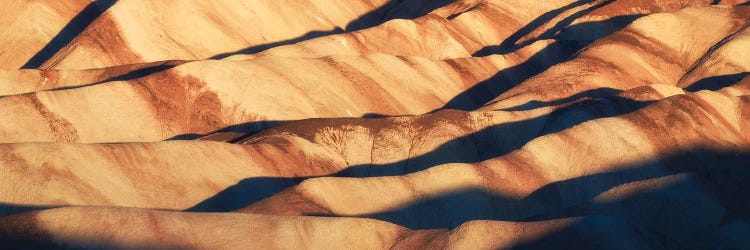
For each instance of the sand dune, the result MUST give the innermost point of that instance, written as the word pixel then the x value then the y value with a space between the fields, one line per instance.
pixel 375 124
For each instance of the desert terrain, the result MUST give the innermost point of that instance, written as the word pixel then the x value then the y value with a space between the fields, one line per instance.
pixel 375 124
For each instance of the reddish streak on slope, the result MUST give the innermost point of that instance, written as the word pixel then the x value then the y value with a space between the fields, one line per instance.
pixel 175 101
pixel 103 28
pixel 63 130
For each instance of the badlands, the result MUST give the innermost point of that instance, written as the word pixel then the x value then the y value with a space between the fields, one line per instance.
pixel 375 124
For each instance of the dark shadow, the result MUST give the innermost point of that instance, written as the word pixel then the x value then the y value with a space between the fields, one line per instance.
pixel 243 193
pixel 494 141
pixel 590 232
pixel 715 83
pixel 454 15
pixel 621 21
pixel 6 209
pixel 594 93
pixel 131 75
pixel 702 60
pixel 481 93
pixel 138 73
pixel 368 20
pixel 262 47
pixel 184 137
pixel 249 129
pixel 246 129
pixel 562 29
pixel 83 243
pixel 374 115
pixel 475 147
pixel 568 43
pixel 395 9
pixel 121 73
pixel 707 205
pixel 23 231
pixel 707 189
pixel 76 25
pixel 509 44
pixel 25 242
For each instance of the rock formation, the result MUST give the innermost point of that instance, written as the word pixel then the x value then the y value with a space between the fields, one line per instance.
pixel 453 124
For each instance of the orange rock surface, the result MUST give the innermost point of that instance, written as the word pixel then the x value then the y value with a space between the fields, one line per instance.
pixel 375 124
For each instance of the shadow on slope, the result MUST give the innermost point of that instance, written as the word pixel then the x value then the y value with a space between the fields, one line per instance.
pixel 390 11
pixel 248 129
pixel 567 44
pixel 262 47
pixel 368 20
pixel 495 141
pixel 705 192
pixel 482 145
pixel 715 83
pixel 594 93
pixel 145 71
pixel 510 43
pixel 76 25
pixel 705 208
pixel 7 208
pixel 589 232
pixel 245 129
pixel 131 75
pixel 703 205
pixel 134 73
pixel 24 231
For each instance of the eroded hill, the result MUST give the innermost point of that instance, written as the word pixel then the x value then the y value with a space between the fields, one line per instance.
pixel 466 124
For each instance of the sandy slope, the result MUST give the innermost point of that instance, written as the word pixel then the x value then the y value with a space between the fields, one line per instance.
pixel 157 229
pixel 328 192
pixel 32 24
pixel 138 31
pixel 201 97
pixel 485 28
pixel 641 54
pixel 310 148
pixel 455 29
pixel 544 178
